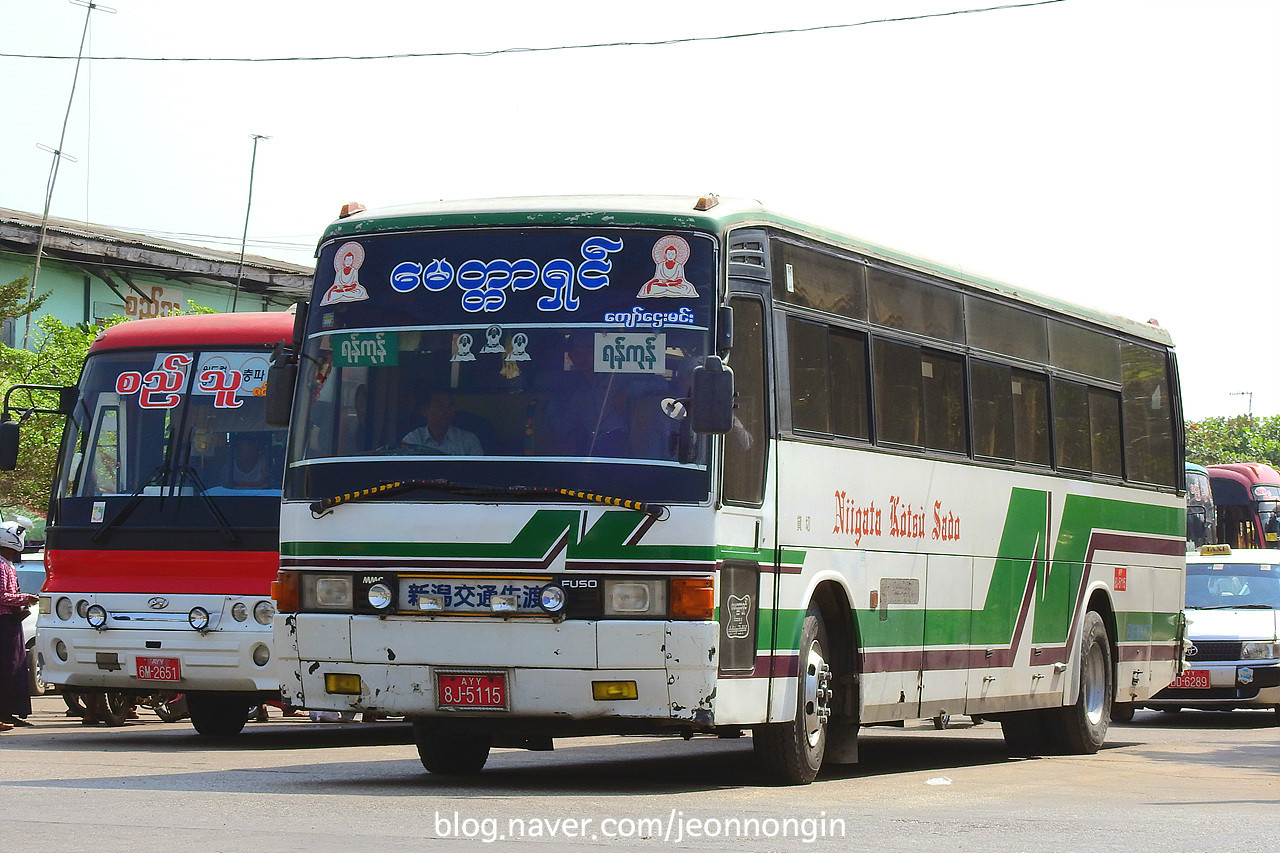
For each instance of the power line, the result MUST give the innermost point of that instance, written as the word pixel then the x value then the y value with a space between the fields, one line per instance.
pixel 547 49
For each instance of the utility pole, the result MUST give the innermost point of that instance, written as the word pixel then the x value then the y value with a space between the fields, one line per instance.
pixel 89 8
pixel 253 162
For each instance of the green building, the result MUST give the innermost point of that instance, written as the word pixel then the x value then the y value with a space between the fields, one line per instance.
pixel 92 273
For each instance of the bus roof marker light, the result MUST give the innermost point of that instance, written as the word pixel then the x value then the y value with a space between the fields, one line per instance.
pixel 707 202
pixel 350 209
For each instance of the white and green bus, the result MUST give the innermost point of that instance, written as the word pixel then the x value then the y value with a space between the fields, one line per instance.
pixel 570 466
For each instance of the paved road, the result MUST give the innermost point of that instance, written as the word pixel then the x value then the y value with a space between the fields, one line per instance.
pixel 1185 782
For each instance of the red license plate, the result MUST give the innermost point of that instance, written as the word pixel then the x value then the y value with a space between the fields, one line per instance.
pixel 484 691
pixel 159 669
pixel 1192 679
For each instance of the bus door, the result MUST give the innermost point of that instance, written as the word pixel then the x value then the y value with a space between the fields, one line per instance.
pixel 107 449
pixel 746 524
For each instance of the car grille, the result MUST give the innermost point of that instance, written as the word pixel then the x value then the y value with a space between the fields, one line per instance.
pixel 1214 650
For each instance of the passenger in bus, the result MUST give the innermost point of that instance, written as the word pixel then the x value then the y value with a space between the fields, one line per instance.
pixel 250 467
pixel 440 435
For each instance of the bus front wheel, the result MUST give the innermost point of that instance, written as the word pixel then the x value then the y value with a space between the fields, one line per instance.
pixel 450 753
pixel 1082 726
pixel 791 753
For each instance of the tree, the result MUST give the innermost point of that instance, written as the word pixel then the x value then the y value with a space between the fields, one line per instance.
pixel 56 360
pixel 13 299
pixel 1242 438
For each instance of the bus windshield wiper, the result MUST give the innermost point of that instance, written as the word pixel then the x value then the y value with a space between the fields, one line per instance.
pixel 325 505
pixel 184 473
pixel 1236 607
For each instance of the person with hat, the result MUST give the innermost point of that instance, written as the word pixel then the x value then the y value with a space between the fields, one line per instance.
pixel 15 698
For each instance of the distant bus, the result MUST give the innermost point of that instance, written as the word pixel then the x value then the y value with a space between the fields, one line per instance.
pixel 1202 519
pixel 1247 498
pixel 162 539
pixel 522 500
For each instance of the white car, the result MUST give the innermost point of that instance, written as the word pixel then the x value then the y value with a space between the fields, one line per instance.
pixel 1233 630
pixel 31 579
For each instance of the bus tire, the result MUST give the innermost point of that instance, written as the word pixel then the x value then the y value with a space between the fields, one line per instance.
pixel 1026 733
pixel 34 680
pixel 218 714
pixel 1081 727
pixel 791 753
pixel 1122 712
pixel 450 753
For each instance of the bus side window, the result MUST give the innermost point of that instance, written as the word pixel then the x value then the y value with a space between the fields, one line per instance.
pixel 746 447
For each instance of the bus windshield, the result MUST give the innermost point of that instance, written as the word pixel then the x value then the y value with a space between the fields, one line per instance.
pixel 544 358
pixel 170 423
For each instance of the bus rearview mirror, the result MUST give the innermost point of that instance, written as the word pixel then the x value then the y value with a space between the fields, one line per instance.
pixel 8 445
pixel 712 399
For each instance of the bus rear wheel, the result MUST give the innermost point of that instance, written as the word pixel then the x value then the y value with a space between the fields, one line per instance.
pixel 450 753
pixel 791 753
pixel 218 714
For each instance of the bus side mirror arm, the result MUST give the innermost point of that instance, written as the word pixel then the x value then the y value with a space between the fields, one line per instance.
pixel 68 397
pixel 283 375
pixel 281 379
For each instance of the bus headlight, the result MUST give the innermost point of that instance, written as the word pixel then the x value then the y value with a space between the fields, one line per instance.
pixel 96 615
pixel 198 618
pixel 647 597
pixel 1259 651
pixel 82 609
pixel 63 608
pixel 551 599
pixel 326 592
pixel 380 597
pixel 261 654
pixel 239 611
pixel 264 612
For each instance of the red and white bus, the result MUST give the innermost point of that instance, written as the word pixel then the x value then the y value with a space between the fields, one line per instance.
pixel 163 528
pixel 1247 497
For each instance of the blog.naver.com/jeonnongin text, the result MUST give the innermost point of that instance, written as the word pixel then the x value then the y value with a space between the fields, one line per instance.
pixel 672 828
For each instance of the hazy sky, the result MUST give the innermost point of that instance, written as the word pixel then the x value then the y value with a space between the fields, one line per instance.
pixel 1123 154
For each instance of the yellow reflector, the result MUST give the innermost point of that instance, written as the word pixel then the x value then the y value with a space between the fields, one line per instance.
pixel 609 691
pixel 336 682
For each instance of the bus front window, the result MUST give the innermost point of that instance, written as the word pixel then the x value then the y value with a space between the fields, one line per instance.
pixel 550 379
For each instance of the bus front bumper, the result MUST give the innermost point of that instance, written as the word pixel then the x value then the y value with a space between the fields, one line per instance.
pixel 108 660
pixel 658 671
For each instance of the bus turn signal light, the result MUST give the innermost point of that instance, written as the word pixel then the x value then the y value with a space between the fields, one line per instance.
pixel 693 598
pixel 284 589
pixel 344 683
pixel 609 691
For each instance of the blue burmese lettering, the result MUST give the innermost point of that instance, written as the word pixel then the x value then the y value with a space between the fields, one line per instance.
pixel 639 318
pixel 485 284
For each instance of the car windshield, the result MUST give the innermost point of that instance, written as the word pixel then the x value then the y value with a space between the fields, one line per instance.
pixel 1224 586
pixel 570 385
